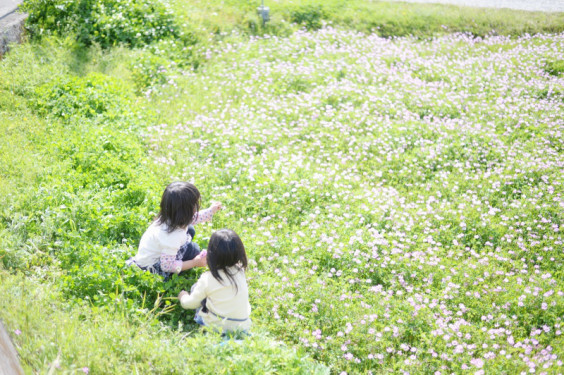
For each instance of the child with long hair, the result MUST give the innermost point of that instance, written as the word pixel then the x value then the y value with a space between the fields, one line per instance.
pixel 166 247
pixel 221 296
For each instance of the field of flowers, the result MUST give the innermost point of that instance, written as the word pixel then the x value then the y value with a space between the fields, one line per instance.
pixel 401 201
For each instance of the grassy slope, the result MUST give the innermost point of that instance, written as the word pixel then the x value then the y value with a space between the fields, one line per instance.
pixel 80 339
pixel 383 18
pixel 61 205
pixel 367 179
pixel 36 168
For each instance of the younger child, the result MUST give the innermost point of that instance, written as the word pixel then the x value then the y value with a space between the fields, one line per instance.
pixel 221 296
pixel 166 247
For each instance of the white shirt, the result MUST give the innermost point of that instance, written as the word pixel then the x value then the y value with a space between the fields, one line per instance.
pixel 156 241
pixel 223 300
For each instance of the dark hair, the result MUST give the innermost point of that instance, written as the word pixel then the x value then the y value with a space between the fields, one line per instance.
pixel 179 203
pixel 225 250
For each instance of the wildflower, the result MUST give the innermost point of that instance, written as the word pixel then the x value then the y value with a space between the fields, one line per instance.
pixel 478 362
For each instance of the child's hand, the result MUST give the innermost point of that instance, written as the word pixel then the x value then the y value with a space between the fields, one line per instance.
pixel 201 260
pixel 216 206
pixel 182 294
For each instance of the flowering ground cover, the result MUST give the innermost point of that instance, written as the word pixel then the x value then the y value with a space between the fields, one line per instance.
pixel 400 199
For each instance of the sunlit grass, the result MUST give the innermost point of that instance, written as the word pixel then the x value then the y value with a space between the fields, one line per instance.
pixel 400 199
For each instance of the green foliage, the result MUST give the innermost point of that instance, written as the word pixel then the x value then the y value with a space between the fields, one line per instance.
pixel 141 22
pixel 310 16
pixel 159 63
pixel 150 70
pixel 379 185
pixel 105 22
pixel 211 20
pixel 76 339
pixel 86 211
pixel 555 67
pixel 88 96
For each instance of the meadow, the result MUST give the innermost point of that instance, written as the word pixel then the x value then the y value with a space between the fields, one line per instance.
pixel 400 195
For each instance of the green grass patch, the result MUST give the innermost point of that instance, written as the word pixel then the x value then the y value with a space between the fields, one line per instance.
pixel 380 17
pixel 400 199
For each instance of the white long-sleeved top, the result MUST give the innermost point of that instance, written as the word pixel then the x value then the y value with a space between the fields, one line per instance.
pixel 223 300
pixel 157 244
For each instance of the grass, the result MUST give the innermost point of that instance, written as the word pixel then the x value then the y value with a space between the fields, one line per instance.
pixel 400 198
pixel 383 18
pixel 85 340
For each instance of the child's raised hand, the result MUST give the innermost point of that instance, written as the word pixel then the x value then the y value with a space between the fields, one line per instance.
pixel 216 206
pixel 201 260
